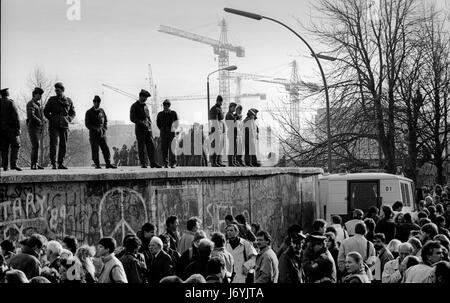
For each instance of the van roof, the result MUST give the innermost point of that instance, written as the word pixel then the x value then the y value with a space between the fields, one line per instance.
pixel 363 176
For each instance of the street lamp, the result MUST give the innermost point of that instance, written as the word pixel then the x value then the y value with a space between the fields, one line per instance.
pixel 260 17
pixel 228 68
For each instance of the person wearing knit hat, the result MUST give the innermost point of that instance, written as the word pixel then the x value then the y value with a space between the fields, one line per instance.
pixel 251 139
pixel 161 266
pixel 60 112
pixel 167 122
pixel 97 123
pixel 140 116
pixel 112 271
pixel 9 131
pixel 35 123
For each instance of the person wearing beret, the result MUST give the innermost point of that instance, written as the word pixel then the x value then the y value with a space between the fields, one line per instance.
pixel 60 112
pixel 35 123
pixel 167 122
pixel 97 123
pixel 9 131
pixel 251 138
pixel 140 116
pixel 230 121
pixel 217 126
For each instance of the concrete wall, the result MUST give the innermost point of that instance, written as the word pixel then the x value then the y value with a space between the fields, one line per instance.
pixel 91 204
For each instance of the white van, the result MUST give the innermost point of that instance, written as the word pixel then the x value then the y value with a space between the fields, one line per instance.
pixel 340 194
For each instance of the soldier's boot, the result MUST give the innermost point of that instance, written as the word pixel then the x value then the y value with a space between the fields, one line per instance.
pixel 61 166
pixel 231 162
pixel 219 162
pixel 39 167
pixel 98 166
pixel 110 165
pixel 33 166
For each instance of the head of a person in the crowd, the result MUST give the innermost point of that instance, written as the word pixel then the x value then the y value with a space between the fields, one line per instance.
pixel 37 93
pixel 379 241
pixel 370 224
pixel 398 218
pixel 416 244
pixel 66 254
pixel 361 229
pixel 428 232
pixel 255 228
pixel 407 218
pixel 70 243
pixel 421 205
pixel 297 242
pixel 397 206
pixel 336 219
pixel 54 250
pixel 330 242
pixel 219 100
pixel 171 280
pixel 409 261
pixel 319 226
pixel 198 236
pixel 241 219
pixel 218 239
pixel 148 231
pixel 132 244
pixel 232 107
pixel 193 224
pixel 331 229
pixel 404 250
pixel 155 246
pixel 166 241
pixel 263 239
pixel 438 190
pixel 7 247
pixel 358 214
pixel 440 209
pixel 393 247
pixel 239 110
pixel 86 254
pixel 424 221
pixel 195 278
pixel 387 212
pixel 144 95
pixel 106 246
pixel 353 262
pixel 59 89
pixel 445 243
pixel 442 273
pixel 422 215
pixel 36 242
pixel 432 210
pixel 294 230
pixel 440 221
pixel 229 219
pixel 96 101
pixel 4 93
pixel 172 224
pixel 431 252
pixel 205 247
pixel 317 243
pixel 373 212
pixel 232 231
pixel 429 201
pixel 15 276
pixel 166 105
pixel 216 267
pixel 39 279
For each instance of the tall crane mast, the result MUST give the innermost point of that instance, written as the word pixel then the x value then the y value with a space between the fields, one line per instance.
pixel 222 49
pixel 153 90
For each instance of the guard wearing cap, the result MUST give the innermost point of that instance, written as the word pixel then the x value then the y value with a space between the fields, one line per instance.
pixel 35 123
pixel 97 123
pixel 251 138
pixel 318 264
pixel 230 121
pixel 167 122
pixel 217 127
pixel 9 131
pixel 140 116
pixel 60 112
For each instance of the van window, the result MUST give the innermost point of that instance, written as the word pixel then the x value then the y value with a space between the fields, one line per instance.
pixel 363 195
pixel 406 197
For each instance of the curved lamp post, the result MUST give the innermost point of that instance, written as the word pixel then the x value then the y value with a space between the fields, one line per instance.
pixel 260 17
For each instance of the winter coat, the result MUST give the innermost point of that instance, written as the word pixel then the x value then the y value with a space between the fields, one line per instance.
pixel 59 111
pixel 266 266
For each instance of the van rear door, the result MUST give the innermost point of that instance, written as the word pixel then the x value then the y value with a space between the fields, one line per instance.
pixel 362 195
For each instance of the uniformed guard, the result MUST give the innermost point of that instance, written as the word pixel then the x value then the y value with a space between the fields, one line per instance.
pixel 230 121
pixel 97 123
pixel 59 111
pixel 35 123
pixel 9 131
pixel 216 118
pixel 140 116
pixel 239 137
pixel 251 138
pixel 167 122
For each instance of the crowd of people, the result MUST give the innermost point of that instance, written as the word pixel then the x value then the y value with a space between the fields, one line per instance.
pixel 390 246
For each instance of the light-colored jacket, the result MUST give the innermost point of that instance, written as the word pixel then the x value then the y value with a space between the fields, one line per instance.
pixel 185 242
pixel 391 272
pixel 244 256
pixel 226 256
pixel 359 244
pixel 341 233
pixel 420 273
pixel 266 266
pixel 350 226
pixel 112 271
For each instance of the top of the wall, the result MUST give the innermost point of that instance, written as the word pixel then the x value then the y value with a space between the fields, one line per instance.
pixel 134 173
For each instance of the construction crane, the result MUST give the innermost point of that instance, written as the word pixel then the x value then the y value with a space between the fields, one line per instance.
pixel 153 90
pixel 222 49
pixel 242 76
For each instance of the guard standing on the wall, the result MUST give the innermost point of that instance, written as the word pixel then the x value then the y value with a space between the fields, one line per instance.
pixel 167 122
pixel 59 111
pixel 35 123
pixel 97 123
pixel 9 131
pixel 140 116
pixel 230 121
pixel 216 118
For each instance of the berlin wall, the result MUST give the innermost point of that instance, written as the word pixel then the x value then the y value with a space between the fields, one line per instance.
pixel 91 205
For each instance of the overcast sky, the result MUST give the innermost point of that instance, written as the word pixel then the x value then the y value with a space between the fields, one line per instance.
pixel 114 42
